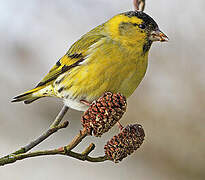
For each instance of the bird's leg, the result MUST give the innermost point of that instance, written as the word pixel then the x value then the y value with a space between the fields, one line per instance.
pixel 120 126
pixel 85 102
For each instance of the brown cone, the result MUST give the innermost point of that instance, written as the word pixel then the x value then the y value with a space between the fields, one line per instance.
pixel 125 143
pixel 104 113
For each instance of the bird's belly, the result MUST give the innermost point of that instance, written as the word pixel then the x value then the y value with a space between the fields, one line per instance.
pixel 75 104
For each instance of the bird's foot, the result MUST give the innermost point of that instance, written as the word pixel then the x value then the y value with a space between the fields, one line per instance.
pixel 120 126
pixel 85 102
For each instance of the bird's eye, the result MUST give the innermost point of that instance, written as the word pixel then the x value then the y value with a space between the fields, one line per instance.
pixel 142 26
pixel 135 24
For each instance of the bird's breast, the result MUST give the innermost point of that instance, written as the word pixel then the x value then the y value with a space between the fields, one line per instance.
pixel 105 69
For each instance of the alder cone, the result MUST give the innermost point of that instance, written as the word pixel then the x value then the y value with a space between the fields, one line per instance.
pixel 104 113
pixel 125 143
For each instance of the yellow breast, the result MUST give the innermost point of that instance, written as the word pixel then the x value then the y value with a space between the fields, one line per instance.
pixel 108 67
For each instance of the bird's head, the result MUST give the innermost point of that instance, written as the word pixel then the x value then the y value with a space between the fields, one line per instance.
pixel 134 27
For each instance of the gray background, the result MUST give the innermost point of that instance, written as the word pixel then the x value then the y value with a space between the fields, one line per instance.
pixel 169 103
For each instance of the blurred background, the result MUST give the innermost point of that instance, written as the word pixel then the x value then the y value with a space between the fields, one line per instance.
pixel 169 103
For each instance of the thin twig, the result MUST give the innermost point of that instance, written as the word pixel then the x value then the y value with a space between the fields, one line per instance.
pixel 76 140
pixel 87 158
pixel 89 149
pixel 66 150
pixel 139 5
pixel 45 136
pixel 82 157
pixel 59 116
pixel 53 128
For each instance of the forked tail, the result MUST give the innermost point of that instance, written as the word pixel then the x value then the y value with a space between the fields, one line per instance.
pixel 33 94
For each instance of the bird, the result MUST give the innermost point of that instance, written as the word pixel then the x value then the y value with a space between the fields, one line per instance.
pixel 112 57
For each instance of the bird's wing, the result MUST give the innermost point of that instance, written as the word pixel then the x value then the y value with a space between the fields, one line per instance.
pixel 75 55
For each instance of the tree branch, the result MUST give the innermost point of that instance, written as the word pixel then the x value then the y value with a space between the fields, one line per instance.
pixel 66 150
pixel 59 117
pixel 77 139
pixel 53 128
pixel 82 157
pixel 139 5
pixel 89 149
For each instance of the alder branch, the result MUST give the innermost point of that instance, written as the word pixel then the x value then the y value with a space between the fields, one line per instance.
pixel 66 150
pixel 139 5
pixel 59 117
pixel 53 128
pixel 82 157
pixel 77 139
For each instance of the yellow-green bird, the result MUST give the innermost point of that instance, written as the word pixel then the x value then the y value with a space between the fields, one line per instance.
pixel 112 57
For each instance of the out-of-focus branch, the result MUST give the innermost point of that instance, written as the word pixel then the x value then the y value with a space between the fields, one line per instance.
pixel 139 5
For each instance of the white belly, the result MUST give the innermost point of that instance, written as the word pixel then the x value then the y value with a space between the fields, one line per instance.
pixel 75 104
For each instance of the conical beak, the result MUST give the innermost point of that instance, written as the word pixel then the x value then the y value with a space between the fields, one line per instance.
pixel 158 35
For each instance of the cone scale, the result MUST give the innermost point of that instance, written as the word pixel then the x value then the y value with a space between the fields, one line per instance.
pixel 104 113
pixel 125 143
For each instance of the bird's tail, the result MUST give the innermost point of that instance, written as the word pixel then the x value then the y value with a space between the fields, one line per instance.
pixel 34 94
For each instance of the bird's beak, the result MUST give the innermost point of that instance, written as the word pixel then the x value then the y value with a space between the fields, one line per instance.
pixel 158 35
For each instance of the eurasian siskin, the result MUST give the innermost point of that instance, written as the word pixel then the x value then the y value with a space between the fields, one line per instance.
pixel 112 57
